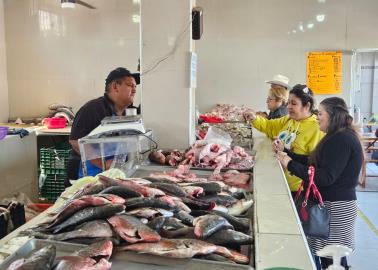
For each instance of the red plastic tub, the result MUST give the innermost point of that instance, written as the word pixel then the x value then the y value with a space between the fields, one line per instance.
pixel 55 122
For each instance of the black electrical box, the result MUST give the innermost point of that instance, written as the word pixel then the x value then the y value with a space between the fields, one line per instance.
pixel 197 23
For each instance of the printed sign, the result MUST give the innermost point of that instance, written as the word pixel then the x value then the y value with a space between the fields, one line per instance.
pixel 324 72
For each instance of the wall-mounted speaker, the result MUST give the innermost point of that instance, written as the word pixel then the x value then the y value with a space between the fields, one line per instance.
pixel 197 23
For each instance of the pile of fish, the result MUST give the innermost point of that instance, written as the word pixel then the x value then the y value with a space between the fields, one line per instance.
pixel 203 154
pixel 93 257
pixel 173 214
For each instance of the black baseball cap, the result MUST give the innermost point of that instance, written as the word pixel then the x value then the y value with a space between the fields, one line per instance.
pixel 119 73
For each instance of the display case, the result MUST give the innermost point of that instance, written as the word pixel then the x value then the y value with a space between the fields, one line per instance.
pixel 125 151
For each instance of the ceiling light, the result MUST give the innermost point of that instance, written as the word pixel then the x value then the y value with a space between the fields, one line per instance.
pixel 320 17
pixel 310 25
pixel 136 18
pixel 67 4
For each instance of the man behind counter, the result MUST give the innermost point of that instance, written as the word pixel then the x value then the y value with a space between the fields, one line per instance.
pixel 120 89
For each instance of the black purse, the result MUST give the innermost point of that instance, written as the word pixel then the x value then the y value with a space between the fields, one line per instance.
pixel 314 217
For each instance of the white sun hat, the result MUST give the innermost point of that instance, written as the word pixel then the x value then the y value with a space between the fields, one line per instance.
pixel 280 80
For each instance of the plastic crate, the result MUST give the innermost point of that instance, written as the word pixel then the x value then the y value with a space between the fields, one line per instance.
pixel 53 161
pixel 52 187
pixel 53 167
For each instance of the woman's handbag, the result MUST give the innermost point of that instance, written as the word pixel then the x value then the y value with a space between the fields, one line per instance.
pixel 314 216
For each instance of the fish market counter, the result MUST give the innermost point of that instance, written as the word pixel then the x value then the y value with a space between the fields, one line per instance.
pixel 279 238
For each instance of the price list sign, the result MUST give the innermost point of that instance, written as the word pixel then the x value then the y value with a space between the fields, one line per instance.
pixel 324 72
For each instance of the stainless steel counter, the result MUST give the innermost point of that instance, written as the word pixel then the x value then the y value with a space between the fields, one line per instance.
pixel 279 238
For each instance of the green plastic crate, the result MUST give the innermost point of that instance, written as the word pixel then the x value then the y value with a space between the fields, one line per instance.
pixel 53 167
pixel 52 187
pixel 53 161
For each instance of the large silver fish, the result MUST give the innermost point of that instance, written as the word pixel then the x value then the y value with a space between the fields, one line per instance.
pixel 240 207
pixel 174 248
pixel 132 229
pixel 101 249
pixel 81 263
pixel 90 229
pixel 206 225
pixel 88 214
pixel 40 259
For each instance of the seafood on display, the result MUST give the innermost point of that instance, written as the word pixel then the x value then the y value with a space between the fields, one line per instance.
pixel 170 214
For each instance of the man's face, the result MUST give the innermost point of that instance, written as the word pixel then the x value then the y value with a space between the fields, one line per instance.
pixel 126 91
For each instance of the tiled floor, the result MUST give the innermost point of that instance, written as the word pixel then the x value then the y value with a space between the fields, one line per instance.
pixel 365 256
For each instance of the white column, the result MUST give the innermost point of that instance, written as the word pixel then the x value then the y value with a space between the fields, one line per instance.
pixel 4 107
pixel 168 102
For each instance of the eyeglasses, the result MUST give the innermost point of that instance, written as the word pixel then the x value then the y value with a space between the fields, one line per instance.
pixel 131 85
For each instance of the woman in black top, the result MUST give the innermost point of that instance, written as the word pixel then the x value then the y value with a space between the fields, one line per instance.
pixel 337 160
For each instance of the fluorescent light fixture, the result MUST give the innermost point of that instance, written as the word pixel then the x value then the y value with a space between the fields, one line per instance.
pixel 136 2
pixel 68 5
pixel 300 27
pixel 320 17
pixel 136 18
pixel 310 25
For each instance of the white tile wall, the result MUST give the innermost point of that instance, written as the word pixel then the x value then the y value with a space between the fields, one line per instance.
pixel 246 42
pixel 4 107
pixel 57 55
pixel 64 55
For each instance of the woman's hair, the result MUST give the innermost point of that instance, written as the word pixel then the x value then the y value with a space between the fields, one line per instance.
pixel 339 119
pixel 280 93
pixel 338 112
pixel 305 94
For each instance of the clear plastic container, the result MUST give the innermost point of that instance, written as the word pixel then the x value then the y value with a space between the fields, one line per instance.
pixel 125 151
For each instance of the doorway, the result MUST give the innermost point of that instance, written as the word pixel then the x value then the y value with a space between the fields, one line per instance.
pixel 364 88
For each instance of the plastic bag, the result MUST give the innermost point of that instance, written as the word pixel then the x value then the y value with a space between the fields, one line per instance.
pixel 216 135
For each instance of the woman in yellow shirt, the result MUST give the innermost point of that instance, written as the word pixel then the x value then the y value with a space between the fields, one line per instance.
pixel 298 131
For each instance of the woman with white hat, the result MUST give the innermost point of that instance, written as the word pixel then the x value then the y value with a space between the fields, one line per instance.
pixel 280 81
pixel 298 131
pixel 277 97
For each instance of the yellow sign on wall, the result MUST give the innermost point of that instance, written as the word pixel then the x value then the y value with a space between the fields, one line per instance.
pixel 324 72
